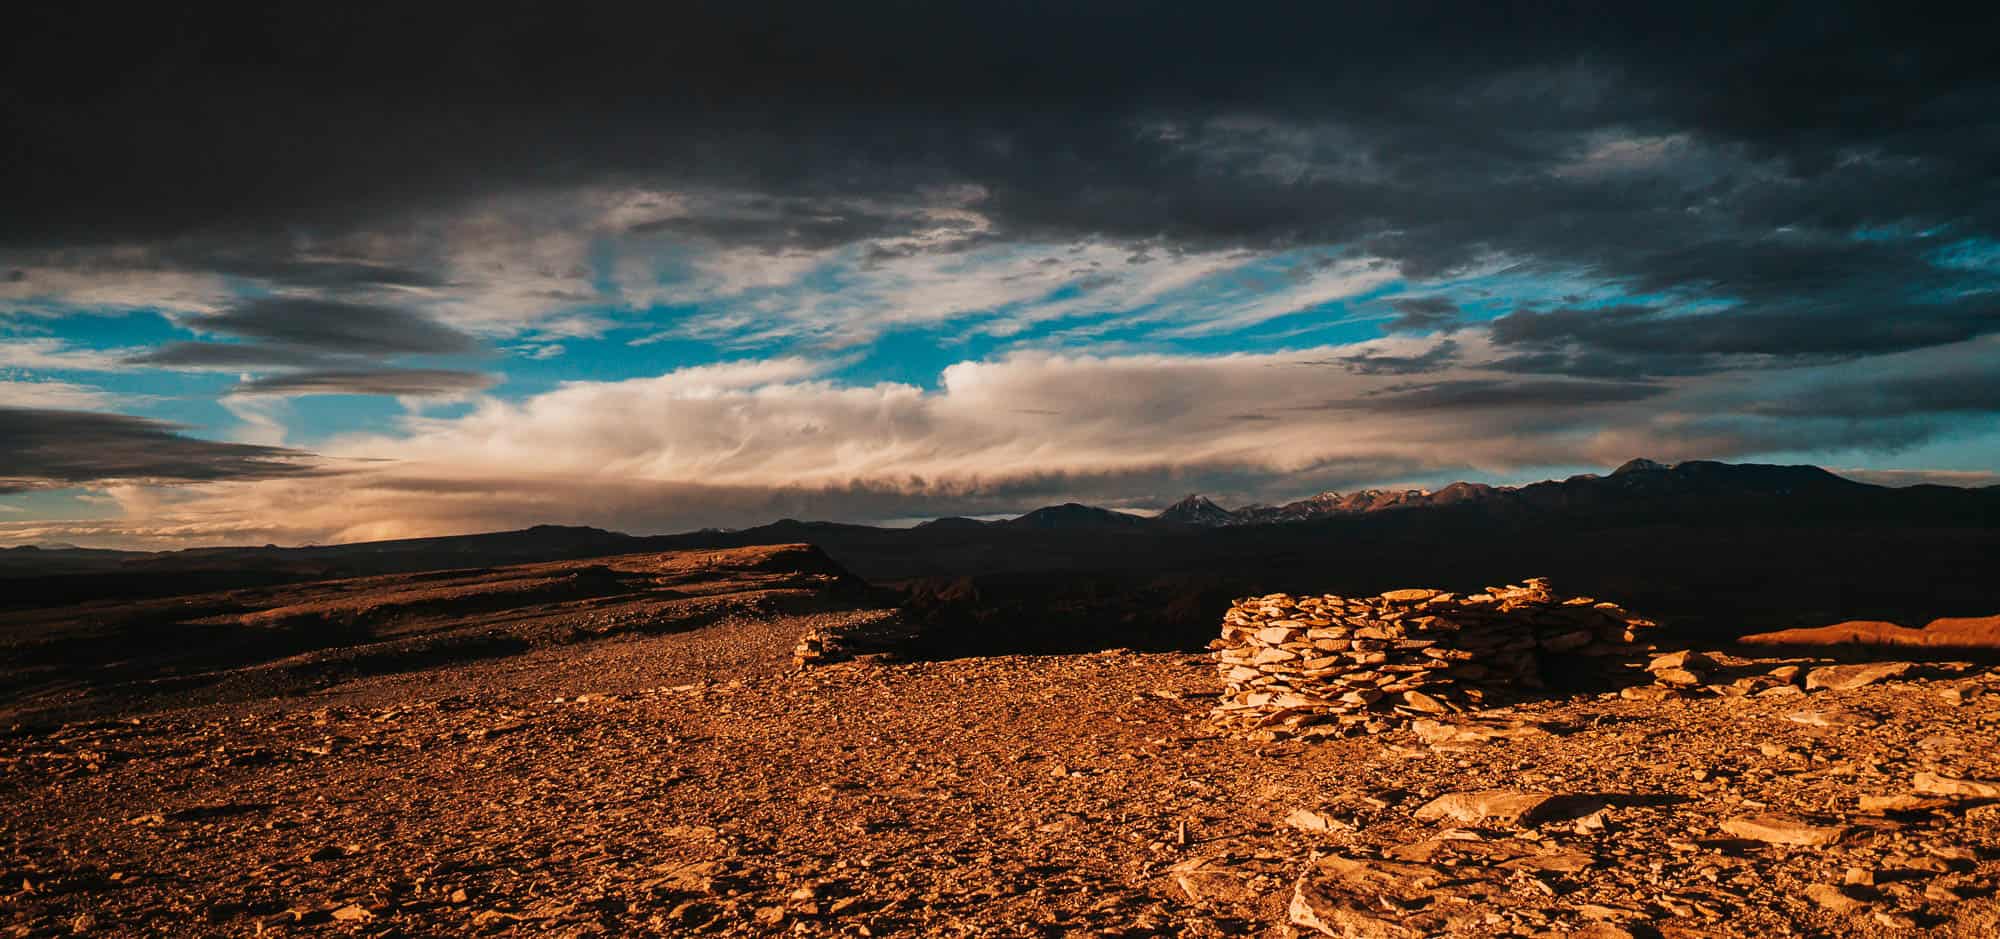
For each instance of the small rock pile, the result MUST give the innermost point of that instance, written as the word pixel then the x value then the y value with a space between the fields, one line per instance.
pixel 818 647
pixel 1336 666
pixel 871 636
pixel 1690 673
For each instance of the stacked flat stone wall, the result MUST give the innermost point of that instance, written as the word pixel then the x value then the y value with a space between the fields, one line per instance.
pixel 1320 666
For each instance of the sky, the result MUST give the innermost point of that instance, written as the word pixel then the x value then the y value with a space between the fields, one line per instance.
pixel 338 272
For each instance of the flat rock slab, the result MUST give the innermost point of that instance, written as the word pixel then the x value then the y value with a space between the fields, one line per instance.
pixel 1687 659
pixel 1332 915
pixel 1850 677
pixel 1343 896
pixel 1473 732
pixel 1833 898
pixel 1505 807
pixel 1833 718
pixel 1784 829
pixel 1936 785
pixel 1318 822
pixel 1567 862
pixel 1213 880
pixel 1901 802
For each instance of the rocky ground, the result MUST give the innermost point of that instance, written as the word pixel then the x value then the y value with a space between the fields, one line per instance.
pixel 695 781
pixel 109 657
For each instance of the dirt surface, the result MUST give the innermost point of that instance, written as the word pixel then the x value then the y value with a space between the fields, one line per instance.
pixel 108 657
pixel 693 781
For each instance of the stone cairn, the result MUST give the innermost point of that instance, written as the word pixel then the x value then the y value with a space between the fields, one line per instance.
pixel 1338 666
pixel 875 635
pixel 818 647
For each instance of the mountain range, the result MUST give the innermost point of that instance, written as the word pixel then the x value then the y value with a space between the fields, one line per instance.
pixel 1635 483
pixel 1637 488
pixel 1717 547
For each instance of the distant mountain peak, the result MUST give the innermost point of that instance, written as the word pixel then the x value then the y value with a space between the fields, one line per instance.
pixel 1198 509
pixel 1074 515
pixel 1196 502
pixel 1640 465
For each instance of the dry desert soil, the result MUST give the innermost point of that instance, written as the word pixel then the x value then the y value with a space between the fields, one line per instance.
pixel 626 747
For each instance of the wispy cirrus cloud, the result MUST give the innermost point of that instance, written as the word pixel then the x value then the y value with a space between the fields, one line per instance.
pixel 49 353
pixel 52 394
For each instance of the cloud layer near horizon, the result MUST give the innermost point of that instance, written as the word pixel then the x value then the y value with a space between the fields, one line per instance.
pixel 759 439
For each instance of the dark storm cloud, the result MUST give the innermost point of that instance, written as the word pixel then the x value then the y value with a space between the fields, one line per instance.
pixel 810 96
pixel 336 326
pixel 1842 326
pixel 1711 152
pixel 401 382
pixel 43 448
pixel 1422 314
